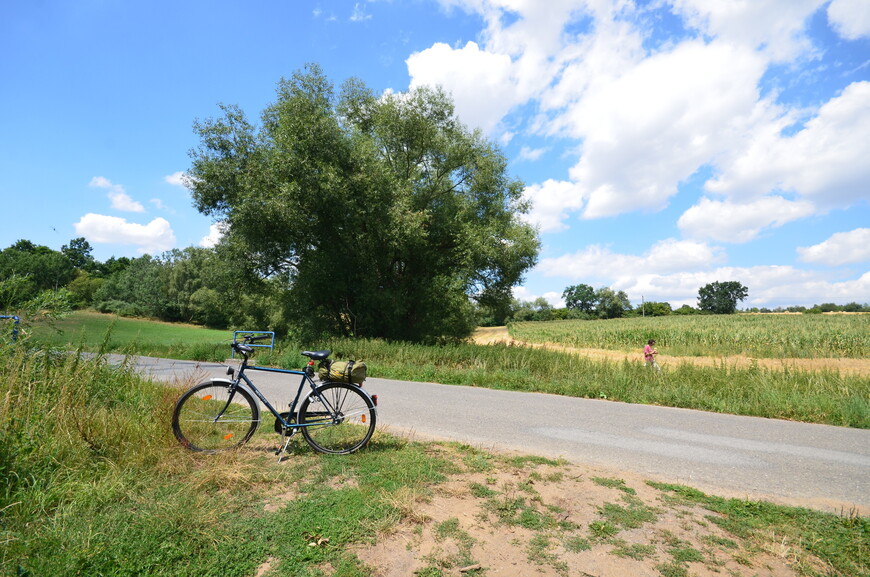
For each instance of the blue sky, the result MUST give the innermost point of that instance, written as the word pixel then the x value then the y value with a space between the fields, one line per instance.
pixel 664 144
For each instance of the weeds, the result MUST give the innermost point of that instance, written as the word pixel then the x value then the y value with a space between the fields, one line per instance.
pixel 614 484
pixel 841 541
pixel 630 516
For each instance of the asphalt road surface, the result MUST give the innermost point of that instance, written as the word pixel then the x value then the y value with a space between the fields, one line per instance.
pixel 818 466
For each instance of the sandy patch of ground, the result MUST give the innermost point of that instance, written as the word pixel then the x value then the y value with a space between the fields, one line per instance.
pixel 861 367
pixel 527 517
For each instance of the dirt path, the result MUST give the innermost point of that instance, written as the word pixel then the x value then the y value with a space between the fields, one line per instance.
pixel 861 367
pixel 518 518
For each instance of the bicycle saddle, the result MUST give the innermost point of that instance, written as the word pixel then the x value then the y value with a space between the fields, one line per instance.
pixel 316 355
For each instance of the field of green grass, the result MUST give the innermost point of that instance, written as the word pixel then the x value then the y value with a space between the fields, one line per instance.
pixel 94 331
pixel 821 396
pixel 755 335
pixel 92 482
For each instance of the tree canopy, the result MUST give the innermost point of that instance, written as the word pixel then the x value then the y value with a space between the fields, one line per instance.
pixel 385 215
pixel 580 297
pixel 721 298
pixel 611 304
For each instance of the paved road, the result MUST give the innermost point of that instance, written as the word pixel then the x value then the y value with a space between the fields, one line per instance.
pixel 792 463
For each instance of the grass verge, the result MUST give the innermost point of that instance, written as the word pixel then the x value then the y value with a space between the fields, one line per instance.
pixel 823 396
pixel 811 396
pixel 95 484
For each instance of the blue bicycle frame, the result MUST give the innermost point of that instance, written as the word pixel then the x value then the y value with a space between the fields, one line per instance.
pixel 293 406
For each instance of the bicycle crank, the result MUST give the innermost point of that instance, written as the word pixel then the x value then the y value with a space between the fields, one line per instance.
pixel 279 426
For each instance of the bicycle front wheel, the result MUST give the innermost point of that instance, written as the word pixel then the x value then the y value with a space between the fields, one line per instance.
pixel 209 418
pixel 337 418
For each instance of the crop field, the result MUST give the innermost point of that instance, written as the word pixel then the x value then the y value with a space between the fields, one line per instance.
pixel 756 335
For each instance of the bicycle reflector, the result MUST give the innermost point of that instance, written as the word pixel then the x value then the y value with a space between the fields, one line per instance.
pixel 375 399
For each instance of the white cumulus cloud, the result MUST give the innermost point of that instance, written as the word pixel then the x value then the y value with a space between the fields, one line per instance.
pixel 215 232
pixel 480 82
pixel 552 201
pixel 776 27
pixel 740 222
pixel 657 123
pixel 646 117
pixel 850 18
pixel 840 249
pixel 599 262
pixel 155 237
pixel 826 161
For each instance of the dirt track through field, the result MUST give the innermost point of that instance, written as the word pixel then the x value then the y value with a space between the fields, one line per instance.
pixel 861 367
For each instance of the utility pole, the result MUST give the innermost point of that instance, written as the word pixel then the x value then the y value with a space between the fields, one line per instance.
pixel 642 307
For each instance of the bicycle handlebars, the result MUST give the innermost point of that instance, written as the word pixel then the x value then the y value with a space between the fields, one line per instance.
pixel 243 346
pixel 254 339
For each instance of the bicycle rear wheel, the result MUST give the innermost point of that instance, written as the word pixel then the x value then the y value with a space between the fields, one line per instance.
pixel 342 422
pixel 206 419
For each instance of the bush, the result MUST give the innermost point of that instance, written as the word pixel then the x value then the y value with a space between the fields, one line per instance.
pixel 120 308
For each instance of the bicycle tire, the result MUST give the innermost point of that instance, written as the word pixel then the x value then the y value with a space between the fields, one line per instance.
pixel 195 419
pixel 354 424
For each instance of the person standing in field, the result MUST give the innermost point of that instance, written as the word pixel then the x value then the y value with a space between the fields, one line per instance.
pixel 649 355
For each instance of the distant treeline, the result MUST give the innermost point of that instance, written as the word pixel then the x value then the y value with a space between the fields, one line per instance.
pixel 541 310
pixel 193 285
pixel 213 288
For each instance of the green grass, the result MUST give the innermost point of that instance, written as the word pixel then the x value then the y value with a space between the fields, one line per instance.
pixel 632 515
pixel 842 541
pixel 761 336
pixel 614 484
pixel 89 330
pixel 825 396
pixel 93 483
pixel 811 396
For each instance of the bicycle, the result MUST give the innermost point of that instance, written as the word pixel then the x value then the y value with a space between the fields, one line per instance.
pixel 222 414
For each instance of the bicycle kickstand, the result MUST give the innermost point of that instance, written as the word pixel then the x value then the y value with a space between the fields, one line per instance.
pixel 280 452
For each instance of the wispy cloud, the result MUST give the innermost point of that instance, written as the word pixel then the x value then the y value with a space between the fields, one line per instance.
pixel 119 197
pixel 177 179
pixel 531 154
pixel 359 13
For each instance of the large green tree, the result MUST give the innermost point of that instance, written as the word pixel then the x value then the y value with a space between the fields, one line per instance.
pixel 44 268
pixel 721 298
pixel 611 304
pixel 78 251
pixel 579 297
pixel 385 214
